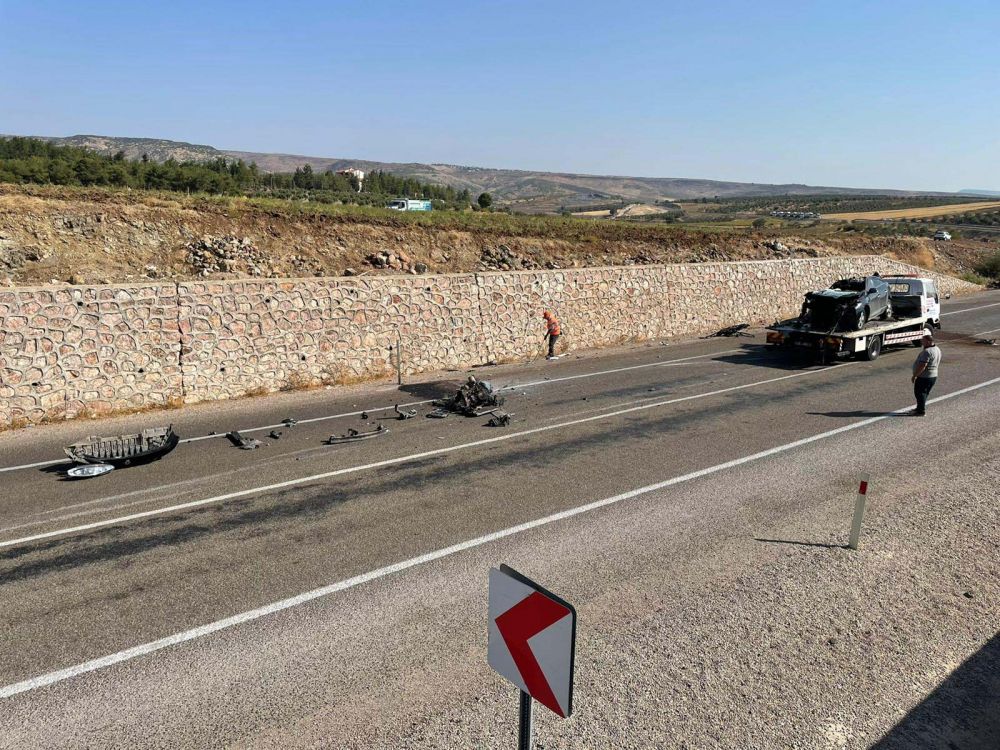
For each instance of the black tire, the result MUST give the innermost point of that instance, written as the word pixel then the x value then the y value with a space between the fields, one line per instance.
pixel 888 311
pixel 862 320
pixel 873 348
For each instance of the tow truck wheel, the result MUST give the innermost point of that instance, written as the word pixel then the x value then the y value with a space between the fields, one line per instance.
pixel 873 347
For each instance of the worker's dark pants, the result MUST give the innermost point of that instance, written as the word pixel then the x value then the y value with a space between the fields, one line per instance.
pixel 921 388
pixel 552 344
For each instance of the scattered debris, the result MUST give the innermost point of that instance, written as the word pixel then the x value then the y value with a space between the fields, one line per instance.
pixel 404 414
pixel 89 470
pixel 364 415
pixel 731 332
pixel 243 443
pixel 473 399
pixel 499 419
pixel 289 422
pixel 353 435
pixel 125 450
pixel 274 435
pixel 437 414
pixel 987 342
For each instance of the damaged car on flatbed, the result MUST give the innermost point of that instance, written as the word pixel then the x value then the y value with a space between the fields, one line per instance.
pixel 838 322
pixel 848 304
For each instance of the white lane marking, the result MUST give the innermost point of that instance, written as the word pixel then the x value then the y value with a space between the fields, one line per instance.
pixel 61 675
pixel 411 403
pixel 617 369
pixel 970 309
pixel 983 333
pixel 32 466
pixel 397 460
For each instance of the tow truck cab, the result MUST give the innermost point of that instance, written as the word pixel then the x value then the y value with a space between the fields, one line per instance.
pixel 915 297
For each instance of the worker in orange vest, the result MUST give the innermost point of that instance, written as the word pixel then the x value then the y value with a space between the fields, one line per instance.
pixel 552 332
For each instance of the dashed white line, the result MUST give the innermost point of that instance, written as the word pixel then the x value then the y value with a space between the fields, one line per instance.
pixel 398 460
pixel 103 662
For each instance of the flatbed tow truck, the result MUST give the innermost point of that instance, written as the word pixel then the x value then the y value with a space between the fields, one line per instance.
pixel 917 301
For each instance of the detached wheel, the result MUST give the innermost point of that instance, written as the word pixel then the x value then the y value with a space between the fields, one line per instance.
pixel 873 348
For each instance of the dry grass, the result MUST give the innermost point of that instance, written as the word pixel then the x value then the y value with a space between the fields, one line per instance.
pixel 926 212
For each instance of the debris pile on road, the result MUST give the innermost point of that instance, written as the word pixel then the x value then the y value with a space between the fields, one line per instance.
pixel 124 450
pixel 353 435
pixel 243 443
pixel 227 255
pixel 404 414
pixel 731 332
pixel 473 399
pixel 987 342
pixel 499 419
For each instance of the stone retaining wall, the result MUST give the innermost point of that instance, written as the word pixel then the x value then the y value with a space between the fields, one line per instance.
pixel 244 337
pixel 65 351
pixel 70 350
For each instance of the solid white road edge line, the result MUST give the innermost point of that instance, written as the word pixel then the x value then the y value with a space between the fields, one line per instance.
pixel 411 403
pixel 397 460
pixel 255 614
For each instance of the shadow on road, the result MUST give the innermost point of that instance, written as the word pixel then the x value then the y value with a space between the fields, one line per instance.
pixel 432 389
pixel 760 355
pixel 963 712
pixel 802 544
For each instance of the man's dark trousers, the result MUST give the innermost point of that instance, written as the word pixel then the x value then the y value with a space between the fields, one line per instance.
pixel 921 388
pixel 552 344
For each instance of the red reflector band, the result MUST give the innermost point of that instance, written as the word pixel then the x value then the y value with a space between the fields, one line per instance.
pixel 864 488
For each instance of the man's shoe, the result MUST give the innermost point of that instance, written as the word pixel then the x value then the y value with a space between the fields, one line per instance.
pixel 919 413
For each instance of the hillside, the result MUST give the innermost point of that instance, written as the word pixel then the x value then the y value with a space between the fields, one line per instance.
pixel 528 190
pixel 50 234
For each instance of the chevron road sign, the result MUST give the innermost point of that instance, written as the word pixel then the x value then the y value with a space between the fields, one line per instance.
pixel 532 642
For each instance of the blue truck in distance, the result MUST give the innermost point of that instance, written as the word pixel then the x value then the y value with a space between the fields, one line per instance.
pixel 406 204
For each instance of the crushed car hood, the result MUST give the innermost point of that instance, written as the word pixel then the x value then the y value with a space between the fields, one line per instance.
pixel 833 294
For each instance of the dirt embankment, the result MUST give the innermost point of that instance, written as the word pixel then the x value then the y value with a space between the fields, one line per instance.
pixel 58 236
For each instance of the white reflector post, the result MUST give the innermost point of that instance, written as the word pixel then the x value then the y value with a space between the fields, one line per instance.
pixel 859 512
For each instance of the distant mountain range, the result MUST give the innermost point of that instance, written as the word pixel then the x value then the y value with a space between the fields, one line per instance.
pixel 994 193
pixel 530 190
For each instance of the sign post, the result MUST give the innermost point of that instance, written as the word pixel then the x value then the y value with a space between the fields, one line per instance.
pixel 524 723
pixel 532 642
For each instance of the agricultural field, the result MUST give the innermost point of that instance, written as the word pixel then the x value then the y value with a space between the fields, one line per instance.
pixel 924 212
pixel 832 205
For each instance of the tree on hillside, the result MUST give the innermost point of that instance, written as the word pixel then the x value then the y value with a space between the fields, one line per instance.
pixel 759 223
pixel 485 200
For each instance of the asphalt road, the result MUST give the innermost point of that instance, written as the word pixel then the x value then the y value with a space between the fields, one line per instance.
pixel 305 595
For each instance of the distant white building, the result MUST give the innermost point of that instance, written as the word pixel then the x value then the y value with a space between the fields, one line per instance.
pixel 357 173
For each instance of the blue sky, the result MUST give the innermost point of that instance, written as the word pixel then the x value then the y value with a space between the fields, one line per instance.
pixel 860 94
